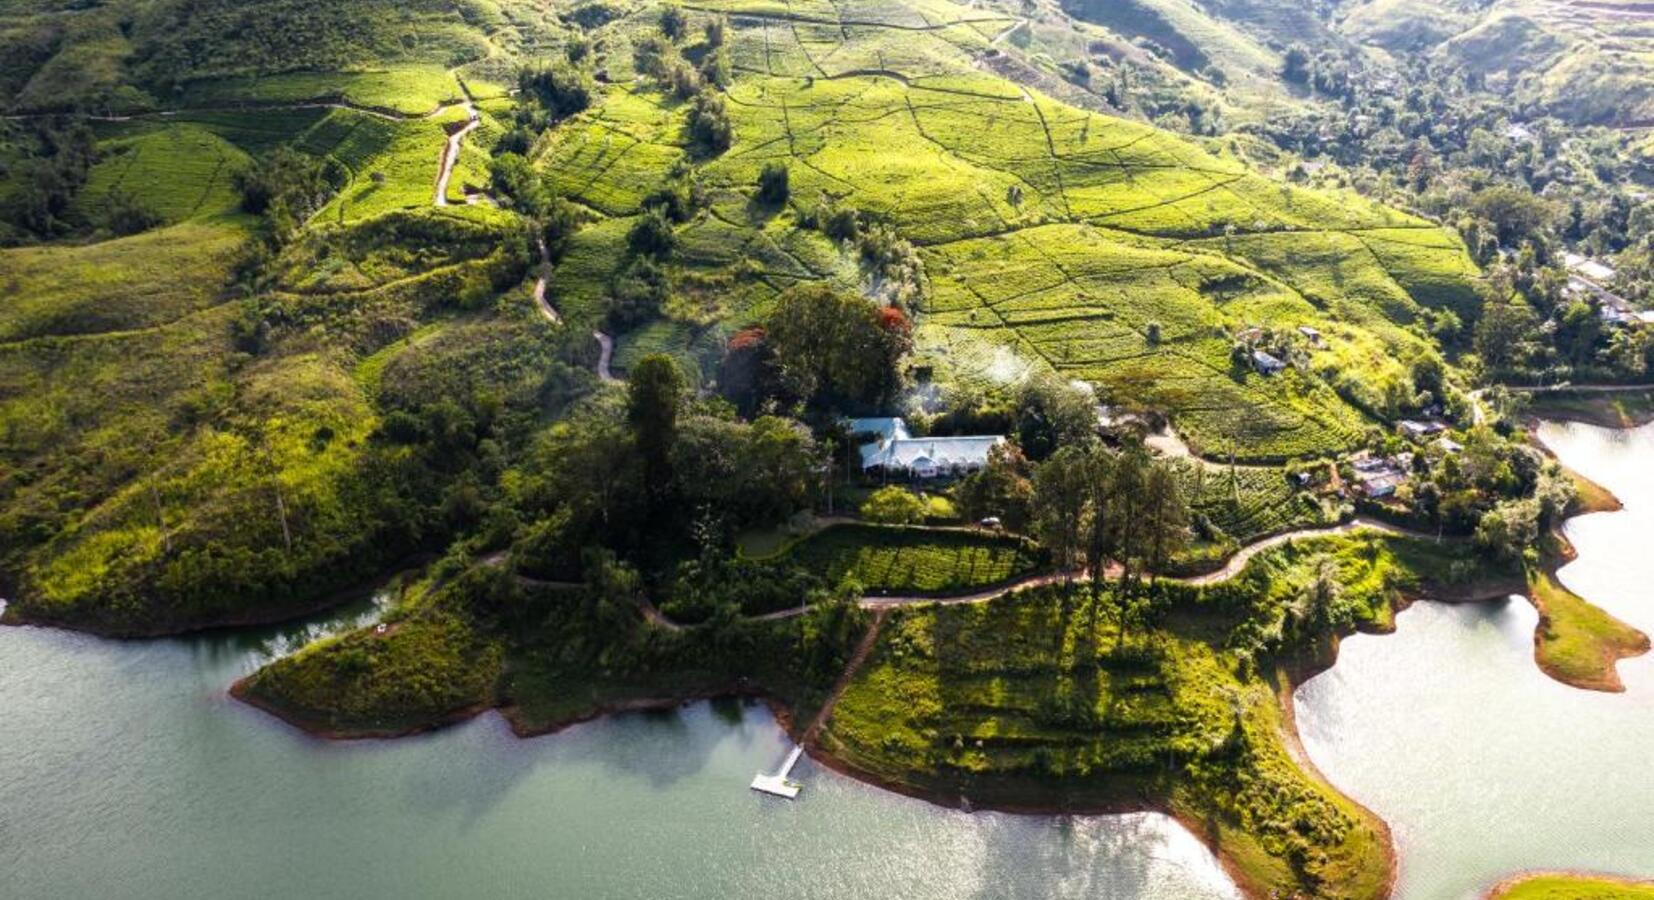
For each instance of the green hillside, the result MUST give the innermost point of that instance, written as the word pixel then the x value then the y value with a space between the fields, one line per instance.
pixel 260 345
pixel 1023 235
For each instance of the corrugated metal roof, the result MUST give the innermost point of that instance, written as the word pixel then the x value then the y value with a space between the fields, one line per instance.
pixel 940 452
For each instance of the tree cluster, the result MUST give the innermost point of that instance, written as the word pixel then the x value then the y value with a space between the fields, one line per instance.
pixel 1094 506
pixel 835 349
pixel 636 479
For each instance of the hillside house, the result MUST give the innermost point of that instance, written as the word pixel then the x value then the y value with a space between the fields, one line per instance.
pixel 1267 363
pixel 1417 429
pixel 890 448
pixel 1377 478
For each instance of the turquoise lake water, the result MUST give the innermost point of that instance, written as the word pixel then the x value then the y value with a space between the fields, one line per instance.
pixel 1482 765
pixel 125 771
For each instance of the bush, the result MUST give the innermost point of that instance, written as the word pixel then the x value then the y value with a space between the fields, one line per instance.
pixel 772 184
pixel 673 22
pixel 639 292
pixel 559 88
pixel 550 548
pixel 893 506
pixel 652 234
pixel 686 82
pixel 709 123
pixel 676 200
pixel 124 215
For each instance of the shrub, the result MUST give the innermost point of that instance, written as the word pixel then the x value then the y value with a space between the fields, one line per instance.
pixel 675 200
pixel 652 234
pixel 639 291
pixel 673 22
pixel 893 506
pixel 125 215
pixel 686 82
pixel 772 184
pixel 709 123
pixel 559 88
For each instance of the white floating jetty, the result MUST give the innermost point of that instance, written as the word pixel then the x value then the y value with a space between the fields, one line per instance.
pixel 779 784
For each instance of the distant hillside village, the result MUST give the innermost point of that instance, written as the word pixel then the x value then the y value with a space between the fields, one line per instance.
pixel 1592 279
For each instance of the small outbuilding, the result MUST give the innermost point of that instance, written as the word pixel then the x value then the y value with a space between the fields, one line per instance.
pixel 1266 363
pixel 1418 429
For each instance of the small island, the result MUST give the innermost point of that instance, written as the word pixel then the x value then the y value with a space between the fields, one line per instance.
pixel 1570 886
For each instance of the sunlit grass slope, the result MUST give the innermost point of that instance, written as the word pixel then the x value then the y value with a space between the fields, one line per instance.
pixel 1053 238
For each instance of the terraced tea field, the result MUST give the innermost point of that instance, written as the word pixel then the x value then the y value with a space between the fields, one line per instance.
pixel 1052 238
pixel 175 171
pixel 914 560
pixel 409 90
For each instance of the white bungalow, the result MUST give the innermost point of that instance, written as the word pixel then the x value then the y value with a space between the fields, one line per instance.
pixel 894 450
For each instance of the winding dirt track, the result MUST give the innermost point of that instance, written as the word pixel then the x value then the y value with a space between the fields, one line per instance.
pixel 450 154
pixel 605 355
pixel 551 315
pixel 1230 569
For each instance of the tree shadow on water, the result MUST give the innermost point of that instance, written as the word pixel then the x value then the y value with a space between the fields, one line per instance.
pixel 1077 857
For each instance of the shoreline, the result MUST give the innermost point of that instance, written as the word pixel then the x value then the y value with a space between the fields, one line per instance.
pixel 1297 672
pixel 1505 885
pixel 12 617
pixel 1589 407
pixel 1289 676
pixel 239 692
pixel 787 721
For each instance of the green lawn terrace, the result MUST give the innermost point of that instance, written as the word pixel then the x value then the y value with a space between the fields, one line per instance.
pixel 1238 505
pixel 820 19
pixel 912 560
pixel 1045 700
pixel 1053 238
pixel 403 90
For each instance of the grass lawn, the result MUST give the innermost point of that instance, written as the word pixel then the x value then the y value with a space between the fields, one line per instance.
pixel 431 660
pixel 1572 887
pixel 1053 239
pixel 919 560
pixel 1590 497
pixel 176 171
pixel 1248 503
pixel 1578 643
pixel 393 165
pixel 142 281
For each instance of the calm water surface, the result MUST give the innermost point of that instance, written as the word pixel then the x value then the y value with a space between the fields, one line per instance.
pixel 126 772
pixel 1481 764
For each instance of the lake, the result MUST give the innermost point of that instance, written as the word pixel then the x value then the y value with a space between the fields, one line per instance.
pixel 125 771
pixel 1481 764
